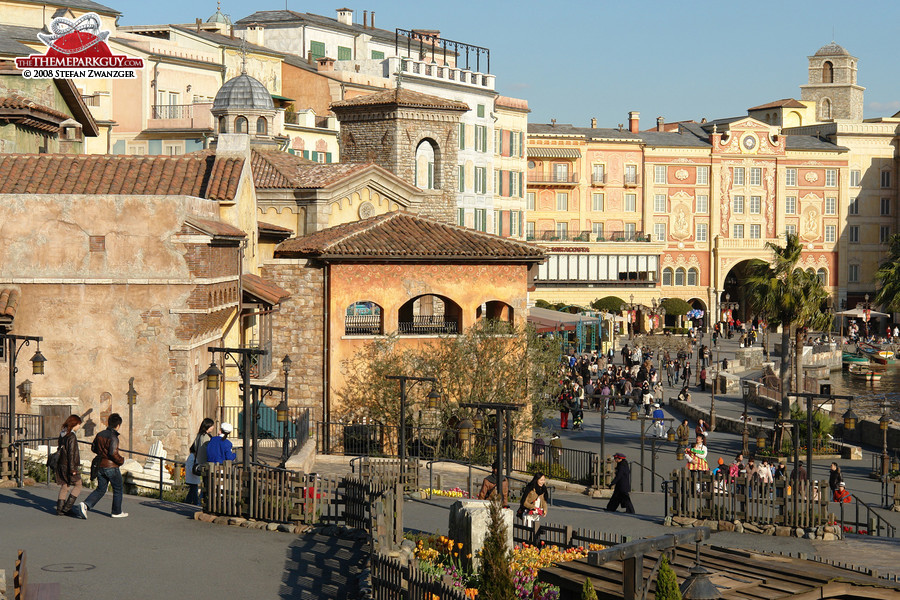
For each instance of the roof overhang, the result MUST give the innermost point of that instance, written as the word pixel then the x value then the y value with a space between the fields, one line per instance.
pixel 263 290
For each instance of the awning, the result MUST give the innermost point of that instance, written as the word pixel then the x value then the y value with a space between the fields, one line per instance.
pixel 264 290
pixel 540 152
pixel 282 98
pixel 859 313
pixel 546 320
pixel 9 302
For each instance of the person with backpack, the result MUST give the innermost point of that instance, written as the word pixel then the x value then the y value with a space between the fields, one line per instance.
pixel 196 461
pixel 108 461
pixel 68 466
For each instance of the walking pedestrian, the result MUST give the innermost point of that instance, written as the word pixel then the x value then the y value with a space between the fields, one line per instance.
pixel 196 461
pixel 683 433
pixel 703 379
pixel 489 487
pixel 218 449
pixel 621 486
pixel 533 504
pixel 106 447
pixel 834 478
pixel 555 447
pixel 68 466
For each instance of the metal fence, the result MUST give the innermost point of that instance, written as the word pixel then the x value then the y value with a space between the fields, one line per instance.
pixel 563 536
pixel 782 503
pixel 27 427
pixel 267 419
pixel 428 325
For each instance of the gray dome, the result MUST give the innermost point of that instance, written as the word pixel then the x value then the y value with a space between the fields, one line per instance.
pixel 243 92
pixel 218 17
pixel 832 49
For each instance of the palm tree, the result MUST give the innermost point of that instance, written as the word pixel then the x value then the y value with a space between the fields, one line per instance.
pixel 791 297
pixel 888 277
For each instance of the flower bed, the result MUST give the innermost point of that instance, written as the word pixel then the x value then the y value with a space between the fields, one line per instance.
pixel 454 493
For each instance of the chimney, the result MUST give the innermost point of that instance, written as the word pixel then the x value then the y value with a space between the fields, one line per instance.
pixel 325 64
pixel 634 121
pixel 231 32
pixel 365 19
pixel 660 123
pixel 372 21
pixel 703 120
pixel 593 123
pixel 552 122
pixel 197 22
pixel 254 34
pixel 621 127
pixel 345 16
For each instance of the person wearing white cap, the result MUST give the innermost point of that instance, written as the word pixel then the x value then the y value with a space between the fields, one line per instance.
pixel 218 450
pixel 657 429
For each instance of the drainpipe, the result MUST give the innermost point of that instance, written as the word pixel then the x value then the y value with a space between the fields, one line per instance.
pixel 326 399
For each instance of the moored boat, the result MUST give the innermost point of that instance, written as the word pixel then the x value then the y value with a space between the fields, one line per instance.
pixel 872 354
pixel 863 372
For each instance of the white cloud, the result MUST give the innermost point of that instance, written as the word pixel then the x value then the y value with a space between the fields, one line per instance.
pixel 885 107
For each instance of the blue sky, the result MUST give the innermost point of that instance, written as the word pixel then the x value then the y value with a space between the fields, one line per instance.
pixel 680 60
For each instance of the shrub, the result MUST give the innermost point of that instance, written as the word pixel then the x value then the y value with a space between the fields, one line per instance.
pixel 496 576
pixel 667 582
pixel 676 306
pixel 609 304
pixel 587 590
pixel 554 471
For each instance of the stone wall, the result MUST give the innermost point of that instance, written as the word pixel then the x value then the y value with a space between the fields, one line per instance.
pixel 300 329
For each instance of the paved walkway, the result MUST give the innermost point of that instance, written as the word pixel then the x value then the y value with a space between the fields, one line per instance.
pixel 159 551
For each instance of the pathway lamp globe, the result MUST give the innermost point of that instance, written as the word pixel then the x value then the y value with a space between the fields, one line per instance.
pixel 286 363
pixel 850 419
pixel 478 420
pixel 131 395
pixel 895 465
pixel 762 439
pixel 465 429
pixel 679 452
pixel 633 413
pixel 37 363
pixel 213 375
pixel 433 397
pixel 884 422
pixel 670 434
pixel 281 412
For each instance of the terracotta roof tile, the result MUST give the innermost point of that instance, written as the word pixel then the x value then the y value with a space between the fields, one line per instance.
pixel 273 169
pixel 215 228
pixel 402 235
pixel 264 289
pixel 18 102
pixel 9 302
pixel 401 97
pixel 197 174
pixel 785 103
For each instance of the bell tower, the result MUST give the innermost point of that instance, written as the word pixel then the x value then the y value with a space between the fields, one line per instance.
pixel 832 85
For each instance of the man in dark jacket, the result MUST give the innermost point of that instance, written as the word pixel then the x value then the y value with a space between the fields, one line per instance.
pixel 106 447
pixel 489 487
pixel 622 486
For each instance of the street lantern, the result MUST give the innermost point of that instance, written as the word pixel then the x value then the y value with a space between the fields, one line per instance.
pixel 850 419
pixel 465 428
pixel 478 420
pixel 679 452
pixel 433 397
pixel 37 363
pixel 213 374
pixel 633 413
pixel 762 438
pixel 895 464
pixel 698 586
pixel 670 434
pixel 884 422
pixel 286 363
pixel 281 411
pixel 131 395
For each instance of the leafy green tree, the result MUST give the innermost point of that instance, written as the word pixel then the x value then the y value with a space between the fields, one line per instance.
pixel 612 304
pixel 666 582
pixel 496 576
pixel 587 590
pixel 676 307
pixel 888 277
pixel 791 297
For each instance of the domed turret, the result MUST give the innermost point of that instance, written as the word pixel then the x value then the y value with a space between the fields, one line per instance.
pixel 219 16
pixel 243 92
pixel 832 49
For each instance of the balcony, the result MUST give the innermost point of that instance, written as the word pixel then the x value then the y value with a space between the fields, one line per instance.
pixel 632 180
pixel 181 116
pixel 428 325
pixel 598 179
pixel 745 243
pixel 552 178
pixel 589 236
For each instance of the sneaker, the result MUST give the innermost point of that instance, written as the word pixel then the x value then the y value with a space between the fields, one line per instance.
pixel 83 510
pixel 121 515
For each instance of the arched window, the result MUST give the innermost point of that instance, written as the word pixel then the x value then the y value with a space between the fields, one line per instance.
pixel 262 126
pixel 827 72
pixel 495 310
pixel 679 276
pixel 223 125
pixel 826 109
pixel 811 271
pixel 240 125
pixel 425 171
pixel 429 315
pixel 693 276
pixel 364 318
pixel 667 276
pixel 822 274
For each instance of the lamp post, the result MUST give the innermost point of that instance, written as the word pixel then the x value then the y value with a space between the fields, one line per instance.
pixel 401 451
pixel 283 409
pixel 884 423
pixel 213 376
pixel 632 317
pixel 131 398
pixel 670 437
pixel 504 412
pixel 634 415
pixel 13 347
pixel 727 305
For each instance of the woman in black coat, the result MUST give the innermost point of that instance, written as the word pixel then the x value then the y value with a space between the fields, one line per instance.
pixel 835 477
pixel 68 467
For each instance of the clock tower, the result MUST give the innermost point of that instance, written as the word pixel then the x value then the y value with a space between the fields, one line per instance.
pixel 832 85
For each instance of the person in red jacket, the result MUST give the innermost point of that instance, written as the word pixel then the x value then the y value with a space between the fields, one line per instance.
pixel 841 494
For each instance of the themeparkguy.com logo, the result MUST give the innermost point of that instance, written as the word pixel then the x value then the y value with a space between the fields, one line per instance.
pixel 77 50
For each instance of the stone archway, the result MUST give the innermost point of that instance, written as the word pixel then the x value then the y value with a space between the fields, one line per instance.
pixel 734 290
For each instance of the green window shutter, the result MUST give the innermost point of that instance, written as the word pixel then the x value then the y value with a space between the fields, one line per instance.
pixel 345 53
pixel 522 144
pixel 317 50
pixel 510 188
pixel 328 157
pixel 306 154
pixel 480 110
pixel 462 136
pixel 462 178
pixel 521 221
pixel 377 55
pixel 314 156
pixel 500 149
pixel 461 217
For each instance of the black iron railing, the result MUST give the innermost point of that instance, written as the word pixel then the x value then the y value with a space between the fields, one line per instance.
pixel 428 325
